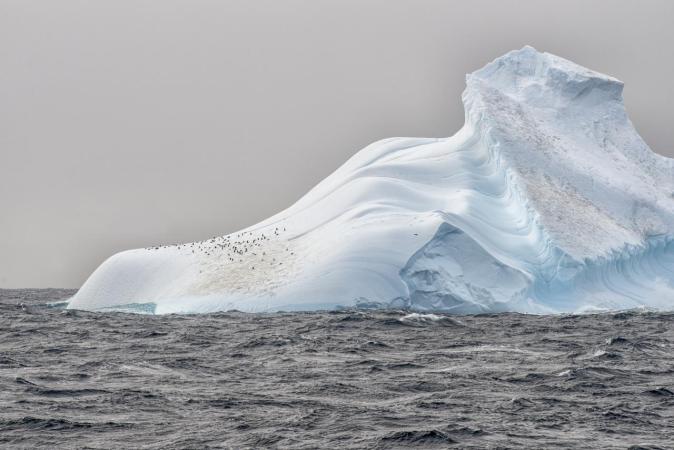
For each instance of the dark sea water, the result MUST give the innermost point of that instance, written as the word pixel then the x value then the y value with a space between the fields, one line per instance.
pixel 351 379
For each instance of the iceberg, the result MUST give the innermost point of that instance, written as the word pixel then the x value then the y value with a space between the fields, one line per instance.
pixel 547 200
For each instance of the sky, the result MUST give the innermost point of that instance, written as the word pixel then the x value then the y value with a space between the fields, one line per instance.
pixel 130 123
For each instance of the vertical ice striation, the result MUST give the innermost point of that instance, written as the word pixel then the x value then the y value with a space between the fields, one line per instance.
pixel 547 200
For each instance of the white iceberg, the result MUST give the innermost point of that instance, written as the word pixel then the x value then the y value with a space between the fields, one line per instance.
pixel 547 200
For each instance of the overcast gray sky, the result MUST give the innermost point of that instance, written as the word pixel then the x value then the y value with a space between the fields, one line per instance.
pixel 130 123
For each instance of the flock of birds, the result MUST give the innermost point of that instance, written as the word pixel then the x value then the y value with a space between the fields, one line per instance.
pixel 236 247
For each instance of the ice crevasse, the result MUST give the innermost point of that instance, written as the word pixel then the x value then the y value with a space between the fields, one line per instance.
pixel 547 200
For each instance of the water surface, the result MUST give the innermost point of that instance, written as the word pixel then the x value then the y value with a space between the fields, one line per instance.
pixel 348 379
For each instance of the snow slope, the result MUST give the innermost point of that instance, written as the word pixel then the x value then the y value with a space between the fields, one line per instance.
pixel 547 200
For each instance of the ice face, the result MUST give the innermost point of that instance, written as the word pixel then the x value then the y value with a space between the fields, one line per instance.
pixel 547 200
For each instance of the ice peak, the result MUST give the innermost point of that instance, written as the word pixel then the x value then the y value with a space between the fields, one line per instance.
pixel 544 79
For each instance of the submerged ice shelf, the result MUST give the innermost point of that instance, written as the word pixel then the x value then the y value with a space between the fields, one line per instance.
pixel 547 200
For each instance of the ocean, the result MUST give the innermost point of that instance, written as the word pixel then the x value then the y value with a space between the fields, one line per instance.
pixel 340 379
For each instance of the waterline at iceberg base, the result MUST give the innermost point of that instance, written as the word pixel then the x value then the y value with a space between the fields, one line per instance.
pixel 547 200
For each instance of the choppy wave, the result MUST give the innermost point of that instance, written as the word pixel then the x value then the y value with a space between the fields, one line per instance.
pixel 340 379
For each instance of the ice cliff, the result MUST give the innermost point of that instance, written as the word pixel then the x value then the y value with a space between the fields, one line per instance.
pixel 547 200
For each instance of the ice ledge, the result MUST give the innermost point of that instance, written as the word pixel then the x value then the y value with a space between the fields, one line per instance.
pixel 542 79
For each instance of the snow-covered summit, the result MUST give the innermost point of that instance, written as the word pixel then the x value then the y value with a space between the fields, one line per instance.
pixel 544 80
pixel 547 200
